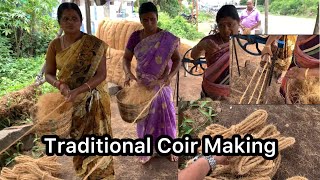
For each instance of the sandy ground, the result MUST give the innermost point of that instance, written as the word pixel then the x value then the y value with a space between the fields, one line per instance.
pixel 301 122
pixel 128 167
pixel 248 64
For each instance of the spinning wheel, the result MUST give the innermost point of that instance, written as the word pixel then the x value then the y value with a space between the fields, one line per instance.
pixel 199 65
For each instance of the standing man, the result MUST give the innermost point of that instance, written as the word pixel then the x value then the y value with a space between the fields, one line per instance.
pixel 250 20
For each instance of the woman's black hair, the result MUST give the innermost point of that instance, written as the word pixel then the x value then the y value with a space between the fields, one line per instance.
pixel 68 5
pixel 147 7
pixel 227 11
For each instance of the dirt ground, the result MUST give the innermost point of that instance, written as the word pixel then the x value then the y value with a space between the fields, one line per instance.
pixel 301 122
pixel 128 167
pixel 247 65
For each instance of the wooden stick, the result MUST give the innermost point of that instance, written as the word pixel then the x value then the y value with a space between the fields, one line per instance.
pixel 245 92
pixel 257 84
pixel 262 87
pixel 31 129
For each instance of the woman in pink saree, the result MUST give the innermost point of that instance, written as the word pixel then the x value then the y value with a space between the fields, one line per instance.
pixel 158 59
pixel 216 77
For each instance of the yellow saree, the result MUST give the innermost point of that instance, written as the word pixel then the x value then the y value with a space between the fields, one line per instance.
pixel 92 114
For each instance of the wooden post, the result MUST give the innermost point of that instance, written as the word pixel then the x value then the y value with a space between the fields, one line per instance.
pixel 192 8
pixel 266 12
pixel 316 27
pixel 197 13
pixel 88 19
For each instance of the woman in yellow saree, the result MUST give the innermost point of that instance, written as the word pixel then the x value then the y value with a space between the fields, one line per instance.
pixel 80 59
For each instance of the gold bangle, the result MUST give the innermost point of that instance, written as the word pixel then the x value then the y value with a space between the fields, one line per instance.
pixel 306 73
pixel 88 86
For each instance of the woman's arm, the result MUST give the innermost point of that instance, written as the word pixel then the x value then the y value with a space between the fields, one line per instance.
pixel 176 63
pixel 197 51
pixel 51 67
pixel 272 38
pixel 196 171
pixel 51 70
pixel 302 73
pixel 126 64
pixel 267 48
pixel 199 169
pixel 205 45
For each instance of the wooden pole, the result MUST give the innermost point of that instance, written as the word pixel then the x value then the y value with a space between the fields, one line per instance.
pixel 316 27
pixel 88 19
pixel 197 14
pixel 266 12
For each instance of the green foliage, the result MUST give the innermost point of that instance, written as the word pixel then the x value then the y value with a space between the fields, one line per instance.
pixel 28 25
pixel 38 150
pixel 205 17
pixel 203 107
pixel 171 7
pixel 243 2
pixel 5 50
pixel 190 126
pixel 10 159
pixel 290 7
pixel 179 27
pixel 294 7
pixel 16 74
pixel 185 127
pixel 259 2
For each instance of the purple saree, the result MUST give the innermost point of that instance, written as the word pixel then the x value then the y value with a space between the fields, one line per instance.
pixel 153 56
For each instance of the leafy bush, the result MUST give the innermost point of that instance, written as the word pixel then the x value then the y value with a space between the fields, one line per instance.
pixel 294 7
pixel 171 7
pixel 259 2
pixel 5 51
pixel 205 17
pixel 290 7
pixel 179 27
pixel 28 25
pixel 15 74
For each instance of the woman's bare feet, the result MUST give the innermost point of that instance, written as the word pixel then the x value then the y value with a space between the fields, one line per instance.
pixel 173 158
pixel 144 159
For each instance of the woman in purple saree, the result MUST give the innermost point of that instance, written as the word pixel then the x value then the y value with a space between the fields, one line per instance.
pixel 158 61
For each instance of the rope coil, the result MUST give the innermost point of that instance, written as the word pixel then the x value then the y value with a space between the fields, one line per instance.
pixel 249 167
pixel 257 84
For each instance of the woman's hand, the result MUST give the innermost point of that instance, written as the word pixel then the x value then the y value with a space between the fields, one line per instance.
pixel 64 89
pixel 223 160
pixel 209 46
pixel 72 95
pixel 129 77
pixel 246 31
pixel 167 80
pixel 266 51
pixel 296 73
pixel 155 83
